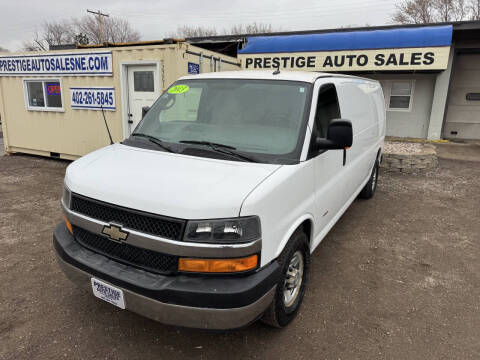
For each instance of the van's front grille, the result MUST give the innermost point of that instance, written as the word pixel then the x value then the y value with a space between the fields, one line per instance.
pixel 161 226
pixel 143 258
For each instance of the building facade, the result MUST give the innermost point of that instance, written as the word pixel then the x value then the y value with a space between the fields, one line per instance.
pixel 52 103
pixel 430 74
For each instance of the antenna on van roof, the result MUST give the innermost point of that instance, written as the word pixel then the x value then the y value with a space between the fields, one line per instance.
pixel 106 125
pixel 276 72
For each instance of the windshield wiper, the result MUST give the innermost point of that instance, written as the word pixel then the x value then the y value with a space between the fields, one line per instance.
pixel 208 143
pixel 221 148
pixel 154 140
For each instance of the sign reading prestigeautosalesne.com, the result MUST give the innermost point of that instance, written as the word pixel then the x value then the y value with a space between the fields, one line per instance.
pixel 434 58
pixel 79 64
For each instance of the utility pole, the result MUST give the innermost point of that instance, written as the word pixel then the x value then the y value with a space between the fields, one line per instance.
pixel 100 25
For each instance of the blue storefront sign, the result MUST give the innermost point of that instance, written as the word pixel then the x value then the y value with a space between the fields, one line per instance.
pixel 79 64
pixel 412 48
pixel 93 98
pixel 193 68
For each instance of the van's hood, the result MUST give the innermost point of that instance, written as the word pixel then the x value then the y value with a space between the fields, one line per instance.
pixel 165 183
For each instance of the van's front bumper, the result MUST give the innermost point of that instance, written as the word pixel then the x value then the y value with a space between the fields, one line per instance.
pixel 210 302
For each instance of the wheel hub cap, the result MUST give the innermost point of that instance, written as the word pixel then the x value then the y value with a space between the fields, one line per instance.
pixel 293 279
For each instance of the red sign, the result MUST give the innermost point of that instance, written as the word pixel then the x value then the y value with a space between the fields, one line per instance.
pixel 53 89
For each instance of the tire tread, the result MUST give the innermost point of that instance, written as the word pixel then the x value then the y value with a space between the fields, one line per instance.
pixel 298 239
pixel 367 192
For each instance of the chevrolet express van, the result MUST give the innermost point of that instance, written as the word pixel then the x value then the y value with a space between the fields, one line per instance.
pixel 206 216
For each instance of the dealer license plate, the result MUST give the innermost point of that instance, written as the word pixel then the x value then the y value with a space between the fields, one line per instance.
pixel 108 293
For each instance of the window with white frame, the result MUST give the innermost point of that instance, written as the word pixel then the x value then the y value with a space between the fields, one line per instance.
pixel 398 94
pixel 43 95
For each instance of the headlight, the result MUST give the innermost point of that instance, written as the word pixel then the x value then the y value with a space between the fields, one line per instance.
pixel 67 196
pixel 224 231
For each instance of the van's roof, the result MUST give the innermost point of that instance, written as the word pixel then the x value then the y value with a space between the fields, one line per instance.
pixel 305 76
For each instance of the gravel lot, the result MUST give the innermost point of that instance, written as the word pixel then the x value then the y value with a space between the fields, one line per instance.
pixel 396 147
pixel 396 278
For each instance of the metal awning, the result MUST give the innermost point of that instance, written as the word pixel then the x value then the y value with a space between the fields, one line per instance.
pixel 424 36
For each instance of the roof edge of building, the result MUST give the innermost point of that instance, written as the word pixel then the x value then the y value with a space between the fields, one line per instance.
pixel 457 25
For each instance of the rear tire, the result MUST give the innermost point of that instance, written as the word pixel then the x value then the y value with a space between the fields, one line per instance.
pixel 369 190
pixel 294 262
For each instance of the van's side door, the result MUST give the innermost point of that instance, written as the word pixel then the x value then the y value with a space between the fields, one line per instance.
pixel 328 165
pixel 358 103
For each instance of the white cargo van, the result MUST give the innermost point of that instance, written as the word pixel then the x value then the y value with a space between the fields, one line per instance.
pixel 207 215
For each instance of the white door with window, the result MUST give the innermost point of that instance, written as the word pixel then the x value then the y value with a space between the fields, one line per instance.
pixel 143 90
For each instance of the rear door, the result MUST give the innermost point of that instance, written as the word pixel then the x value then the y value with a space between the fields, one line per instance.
pixel 143 90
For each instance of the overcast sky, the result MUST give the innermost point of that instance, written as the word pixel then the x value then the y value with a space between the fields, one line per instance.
pixel 155 19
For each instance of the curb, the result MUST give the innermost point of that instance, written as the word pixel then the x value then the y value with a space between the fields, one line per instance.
pixel 412 140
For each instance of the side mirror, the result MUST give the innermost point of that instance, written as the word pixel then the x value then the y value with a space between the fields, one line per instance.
pixel 145 110
pixel 339 135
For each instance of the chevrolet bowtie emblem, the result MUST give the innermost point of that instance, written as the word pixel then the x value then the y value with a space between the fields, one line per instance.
pixel 115 232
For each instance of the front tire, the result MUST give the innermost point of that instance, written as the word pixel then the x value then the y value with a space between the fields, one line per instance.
pixel 369 190
pixel 294 262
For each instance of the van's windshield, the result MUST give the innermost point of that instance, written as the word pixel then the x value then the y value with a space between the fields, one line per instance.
pixel 262 118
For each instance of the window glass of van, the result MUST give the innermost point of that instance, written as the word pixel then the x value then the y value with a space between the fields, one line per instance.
pixel 186 107
pixel 263 117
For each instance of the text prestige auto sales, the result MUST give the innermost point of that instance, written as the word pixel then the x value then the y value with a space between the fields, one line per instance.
pixel 62 64
pixel 355 60
pixel 75 64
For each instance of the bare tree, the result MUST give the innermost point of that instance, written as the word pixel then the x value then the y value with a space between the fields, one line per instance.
pixel 414 12
pixel 450 10
pixel 461 10
pixel 428 11
pixel 186 31
pixel 444 9
pixel 120 30
pixel 30 46
pixel 51 33
pixel 253 28
pixel 81 31
pixel 58 33
pixel 474 9
pixel 349 26
pixel 238 29
pixel 113 30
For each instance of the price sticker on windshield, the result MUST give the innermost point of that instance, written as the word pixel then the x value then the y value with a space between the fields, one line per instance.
pixel 178 89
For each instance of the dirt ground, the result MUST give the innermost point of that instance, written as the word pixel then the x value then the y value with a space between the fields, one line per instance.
pixel 397 278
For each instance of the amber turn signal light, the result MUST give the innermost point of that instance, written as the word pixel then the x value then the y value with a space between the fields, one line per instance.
pixel 69 226
pixel 218 265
